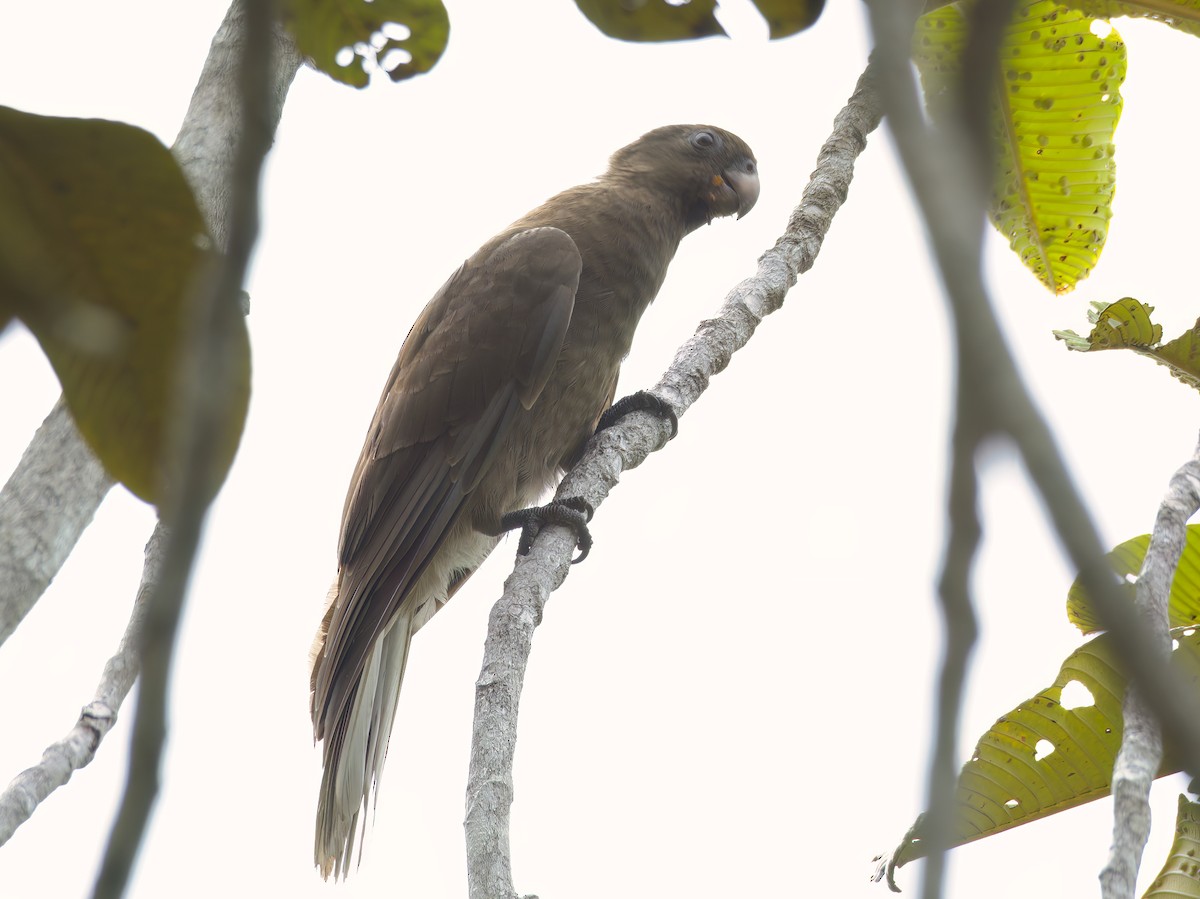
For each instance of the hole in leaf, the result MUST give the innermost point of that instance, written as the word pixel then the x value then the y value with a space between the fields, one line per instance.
pixel 1130 577
pixel 1101 29
pixel 395 58
pixel 1012 803
pixel 344 57
pixel 1076 696
pixel 396 32
pixel 1042 749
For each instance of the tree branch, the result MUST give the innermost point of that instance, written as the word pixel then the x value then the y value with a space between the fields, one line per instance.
pixel 47 503
pixel 612 451
pixel 940 164
pixel 242 86
pixel 78 747
pixel 54 492
pixel 1141 739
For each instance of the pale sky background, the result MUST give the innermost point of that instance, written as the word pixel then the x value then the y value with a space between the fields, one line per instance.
pixel 732 696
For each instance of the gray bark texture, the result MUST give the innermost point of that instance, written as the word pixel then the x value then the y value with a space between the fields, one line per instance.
pixel 44 507
pixel 53 493
pixel 947 164
pixel 58 485
pixel 612 451
pixel 1141 739
pixel 77 749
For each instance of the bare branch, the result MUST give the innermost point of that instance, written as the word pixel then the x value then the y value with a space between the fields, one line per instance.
pixel 47 503
pixel 942 168
pixel 78 747
pixel 1141 738
pixel 56 488
pixel 244 81
pixel 612 451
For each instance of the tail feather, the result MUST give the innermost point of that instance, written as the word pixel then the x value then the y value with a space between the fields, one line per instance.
pixel 354 750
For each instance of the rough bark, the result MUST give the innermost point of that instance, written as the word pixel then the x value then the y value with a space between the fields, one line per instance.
pixel 612 451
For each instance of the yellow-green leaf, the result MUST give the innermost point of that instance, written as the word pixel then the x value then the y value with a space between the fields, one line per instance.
pixel 1183 604
pixel 652 20
pixel 1043 757
pixel 1126 324
pixel 788 17
pixel 1182 15
pixel 345 38
pixel 100 246
pixel 1054 112
pixel 1180 875
pixel 1123 324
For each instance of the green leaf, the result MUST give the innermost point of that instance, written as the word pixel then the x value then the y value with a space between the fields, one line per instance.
pixel 1180 875
pixel 1126 325
pixel 101 244
pixel 1182 15
pixel 1183 604
pixel 1054 112
pixel 788 17
pixel 652 20
pixel 1042 757
pixel 345 38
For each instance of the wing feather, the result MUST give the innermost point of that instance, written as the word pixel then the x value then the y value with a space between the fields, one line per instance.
pixel 482 349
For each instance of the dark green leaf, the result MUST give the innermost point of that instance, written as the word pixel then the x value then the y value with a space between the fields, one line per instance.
pixel 344 38
pixel 653 20
pixel 788 17
pixel 101 244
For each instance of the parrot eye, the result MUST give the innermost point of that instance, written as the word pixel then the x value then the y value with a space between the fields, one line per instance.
pixel 705 140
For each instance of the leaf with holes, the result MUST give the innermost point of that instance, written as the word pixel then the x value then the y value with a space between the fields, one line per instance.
pixel 788 17
pixel 1180 876
pixel 101 244
pixel 1126 325
pixel 652 20
pixel 1183 604
pixel 1053 752
pixel 1182 15
pixel 345 39
pixel 1053 114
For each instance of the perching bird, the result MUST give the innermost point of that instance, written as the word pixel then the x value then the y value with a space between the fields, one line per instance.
pixel 501 381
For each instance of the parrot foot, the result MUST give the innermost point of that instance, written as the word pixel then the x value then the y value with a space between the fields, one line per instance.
pixel 642 401
pixel 573 512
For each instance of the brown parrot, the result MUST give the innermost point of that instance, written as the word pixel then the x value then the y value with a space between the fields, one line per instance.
pixel 503 378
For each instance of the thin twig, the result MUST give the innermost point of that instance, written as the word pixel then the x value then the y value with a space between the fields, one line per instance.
pixel 940 166
pixel 1141 738
pixel 244 45
pixel 617 449
pixel 52 495
pixel 33 506
pixel 77 749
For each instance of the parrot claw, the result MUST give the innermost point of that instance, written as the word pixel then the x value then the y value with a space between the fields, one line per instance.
pixel 642 401
pixel 574 513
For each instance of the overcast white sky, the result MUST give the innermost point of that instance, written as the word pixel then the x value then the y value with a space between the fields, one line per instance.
pixel 732 696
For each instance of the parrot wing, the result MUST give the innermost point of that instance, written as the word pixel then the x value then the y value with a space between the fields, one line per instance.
pixel 482 349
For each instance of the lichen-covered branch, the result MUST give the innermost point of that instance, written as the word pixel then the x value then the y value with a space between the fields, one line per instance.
pixel 942 164
pixel 77 749
pixel 242 86
pixel 612 451
pixel 53 494
pixel 46 504
pixel 1141 738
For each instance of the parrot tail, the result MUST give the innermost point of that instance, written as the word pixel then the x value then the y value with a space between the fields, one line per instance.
pixel 355 748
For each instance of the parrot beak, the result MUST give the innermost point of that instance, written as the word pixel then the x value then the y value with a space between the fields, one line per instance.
pixel 743 178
